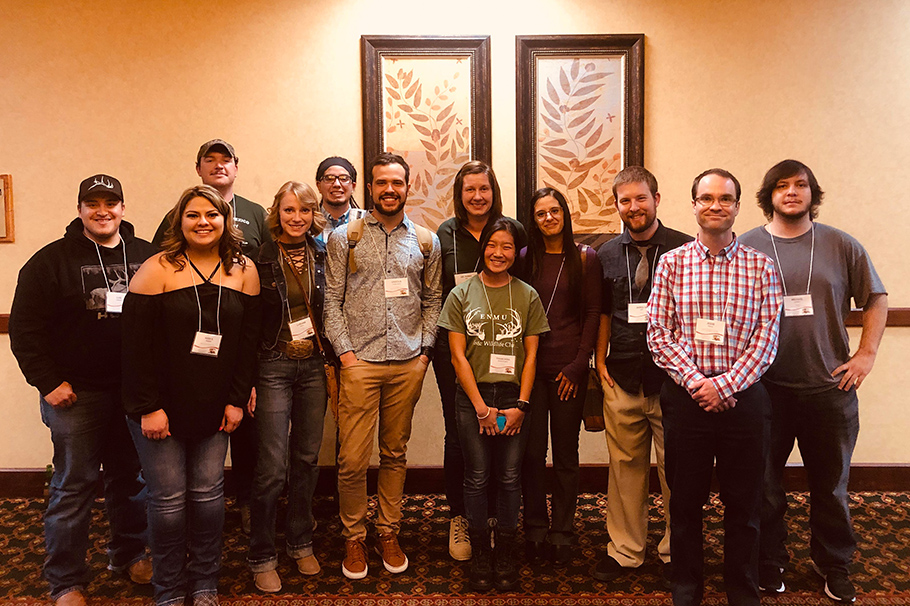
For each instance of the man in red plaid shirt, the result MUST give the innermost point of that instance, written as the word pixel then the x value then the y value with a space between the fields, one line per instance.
pixel 713 319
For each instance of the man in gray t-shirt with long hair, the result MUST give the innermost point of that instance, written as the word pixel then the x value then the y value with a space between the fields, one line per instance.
pixel 814 379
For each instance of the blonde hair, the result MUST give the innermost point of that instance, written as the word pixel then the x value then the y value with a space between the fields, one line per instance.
pixel 307 198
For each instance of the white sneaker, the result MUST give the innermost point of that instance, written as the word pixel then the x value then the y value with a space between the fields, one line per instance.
pixel 459 541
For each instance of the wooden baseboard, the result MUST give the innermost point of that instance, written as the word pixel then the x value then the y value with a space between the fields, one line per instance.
pixel 29 483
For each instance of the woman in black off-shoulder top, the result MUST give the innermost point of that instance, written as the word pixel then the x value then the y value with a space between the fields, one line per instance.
pixel 190 326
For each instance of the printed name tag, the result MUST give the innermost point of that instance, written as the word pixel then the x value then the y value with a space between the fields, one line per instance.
pixel 798 305
pixel 206 344
pixel 638 313
pixel 301 329
pixel 710 331
pixel 502 364
pixel 459 278
pixel 113 302
pixel 396 287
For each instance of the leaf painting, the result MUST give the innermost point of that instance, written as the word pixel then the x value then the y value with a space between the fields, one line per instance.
pixel 580 136
pixel 427 120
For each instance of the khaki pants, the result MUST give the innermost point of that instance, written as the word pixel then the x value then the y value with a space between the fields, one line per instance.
pixel 375 391
pixel 633 424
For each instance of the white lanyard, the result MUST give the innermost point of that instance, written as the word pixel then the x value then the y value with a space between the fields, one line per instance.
pixel 382 258
pixel 287 301
pixel 126 268
pixel 492 320
pixel 199 303
pixel 629 271
pixel 455 252
pixel 723 316
pixel 561 265
pixel 781 267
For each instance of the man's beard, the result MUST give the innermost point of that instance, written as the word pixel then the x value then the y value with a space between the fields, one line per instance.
pixel 334 203
pixel 388 213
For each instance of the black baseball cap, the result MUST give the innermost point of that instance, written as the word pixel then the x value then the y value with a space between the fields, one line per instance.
pixel 99 184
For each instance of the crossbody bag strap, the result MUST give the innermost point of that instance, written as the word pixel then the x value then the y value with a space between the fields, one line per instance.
pixel 306 300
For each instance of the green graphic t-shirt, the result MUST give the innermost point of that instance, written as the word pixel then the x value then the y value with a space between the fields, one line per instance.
pixel 494 321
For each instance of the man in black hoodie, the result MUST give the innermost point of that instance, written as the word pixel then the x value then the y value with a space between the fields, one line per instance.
pixel 65 333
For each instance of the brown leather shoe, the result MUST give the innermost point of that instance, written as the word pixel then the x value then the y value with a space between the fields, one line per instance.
pixel 140 572
pixel 354 565
pixel 308 565
pixel 393 557
pixel 71 598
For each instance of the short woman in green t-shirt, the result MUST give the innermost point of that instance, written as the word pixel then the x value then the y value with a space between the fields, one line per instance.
pixel 494 321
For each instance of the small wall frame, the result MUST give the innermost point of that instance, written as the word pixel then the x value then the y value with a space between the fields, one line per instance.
pixel 7 228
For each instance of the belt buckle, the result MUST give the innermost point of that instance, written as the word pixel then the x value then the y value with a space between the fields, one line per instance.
pixel 300 349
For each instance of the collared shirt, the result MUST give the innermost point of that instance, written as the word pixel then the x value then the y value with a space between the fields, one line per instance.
pixel 738 286
pixel 358 316
pixel 629 361
pixel 331 223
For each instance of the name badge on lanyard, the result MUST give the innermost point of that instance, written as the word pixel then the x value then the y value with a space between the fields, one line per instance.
pixel 301 329
pixel 206 344
pixel 396 287
pixel 710 331
pixel 501 364
pixel 113 302
pixel 638 313
pixel 459 278
pixel 798 305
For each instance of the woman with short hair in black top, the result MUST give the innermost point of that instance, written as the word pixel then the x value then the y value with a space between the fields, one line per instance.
pixel 477 203
pixel 191 321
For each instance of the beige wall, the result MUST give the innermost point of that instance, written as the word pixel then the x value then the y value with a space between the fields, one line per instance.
pixel 132 91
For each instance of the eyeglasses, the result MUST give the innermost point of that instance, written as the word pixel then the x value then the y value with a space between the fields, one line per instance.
pixel 330 179
pixel 553 212
pixel 708 201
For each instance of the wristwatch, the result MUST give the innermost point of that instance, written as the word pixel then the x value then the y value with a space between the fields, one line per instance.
pixel 523 405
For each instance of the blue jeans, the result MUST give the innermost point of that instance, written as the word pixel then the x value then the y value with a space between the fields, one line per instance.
pixel 185 479
pixel 87 436
pixel 485 456
pixel 825 426
pixel 291 394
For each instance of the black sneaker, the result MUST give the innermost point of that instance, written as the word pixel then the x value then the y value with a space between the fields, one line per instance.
pixel 771 578
pixel 838 587
pixel 608 569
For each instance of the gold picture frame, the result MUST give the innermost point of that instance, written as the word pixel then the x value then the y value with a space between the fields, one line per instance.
pixel 7 229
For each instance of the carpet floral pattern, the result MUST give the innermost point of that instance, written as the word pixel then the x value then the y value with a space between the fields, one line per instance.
pixel 881 570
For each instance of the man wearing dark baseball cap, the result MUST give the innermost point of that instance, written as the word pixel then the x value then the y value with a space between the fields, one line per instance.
pixel 65 333
pixel 216 165
pixel 336 180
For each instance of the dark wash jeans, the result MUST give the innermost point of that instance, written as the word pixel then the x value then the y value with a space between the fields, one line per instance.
pixel 737 440
pixel 825 426
pixel 564 418
pixel 453 458
pixel 185 479
pixel 87 436
pixel 290 395
pixel 490 457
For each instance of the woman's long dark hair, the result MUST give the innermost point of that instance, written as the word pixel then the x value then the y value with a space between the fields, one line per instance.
pixel 536 249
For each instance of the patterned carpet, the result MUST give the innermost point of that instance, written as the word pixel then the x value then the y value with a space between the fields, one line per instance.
pixel 881 571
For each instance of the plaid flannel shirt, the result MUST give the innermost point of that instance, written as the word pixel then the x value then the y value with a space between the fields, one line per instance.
pixel 740 286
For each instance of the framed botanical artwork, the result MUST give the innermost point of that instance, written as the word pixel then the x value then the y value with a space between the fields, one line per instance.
pixel 580 120
pixel 427 98
pixel 7 233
